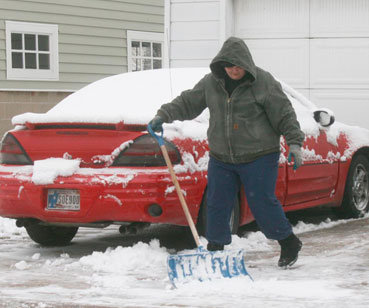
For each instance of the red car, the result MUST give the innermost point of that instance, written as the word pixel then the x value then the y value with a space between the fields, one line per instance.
pixel 89 161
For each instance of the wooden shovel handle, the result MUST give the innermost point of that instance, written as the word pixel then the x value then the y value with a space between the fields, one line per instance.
pixel 180 195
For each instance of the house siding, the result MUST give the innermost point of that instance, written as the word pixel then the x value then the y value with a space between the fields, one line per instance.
pixel 92 36
pixel 92 45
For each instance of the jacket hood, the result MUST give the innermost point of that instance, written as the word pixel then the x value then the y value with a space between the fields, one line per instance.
pixel 235 51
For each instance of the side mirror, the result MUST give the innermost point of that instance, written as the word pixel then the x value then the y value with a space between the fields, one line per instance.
pixel 324 117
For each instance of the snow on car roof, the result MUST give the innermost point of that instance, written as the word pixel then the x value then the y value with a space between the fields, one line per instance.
pixel 130 97
pixel 134 98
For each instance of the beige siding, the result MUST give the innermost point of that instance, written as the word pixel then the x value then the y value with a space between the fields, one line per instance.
pixel 16 102
pixel 92 36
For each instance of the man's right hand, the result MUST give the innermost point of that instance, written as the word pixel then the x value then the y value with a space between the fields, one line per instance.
pixel 295 152
pixel 157 124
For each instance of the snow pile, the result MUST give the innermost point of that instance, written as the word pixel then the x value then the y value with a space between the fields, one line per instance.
pixel 357 137
pixel 130 270
pixel 9 229
pixel 47 170
pixel 189 163
pixel 22 265
pixel 120 177
pixel 126 265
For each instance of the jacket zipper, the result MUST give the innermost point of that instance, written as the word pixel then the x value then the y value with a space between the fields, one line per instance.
pixel 228 119
pixel 229 127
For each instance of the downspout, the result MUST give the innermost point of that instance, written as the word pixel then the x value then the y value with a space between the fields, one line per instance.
pixel 167 31
pixel 226 20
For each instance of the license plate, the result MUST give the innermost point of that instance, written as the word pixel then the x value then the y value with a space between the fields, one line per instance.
pixel 63 199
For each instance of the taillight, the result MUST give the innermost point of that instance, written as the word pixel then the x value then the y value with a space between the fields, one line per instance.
pixel 145 152
pixel 12 153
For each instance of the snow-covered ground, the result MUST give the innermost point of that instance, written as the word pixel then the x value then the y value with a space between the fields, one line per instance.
pixel 103 269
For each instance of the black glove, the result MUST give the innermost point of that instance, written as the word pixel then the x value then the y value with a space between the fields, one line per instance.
pixel 157 124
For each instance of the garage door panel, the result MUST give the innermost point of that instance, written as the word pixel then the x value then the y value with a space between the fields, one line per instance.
pixel 271 19
pixel 194 11
pixel 195 30
pixel 190 63
pixel 347 105
pixel 287 60
pixel 196 50
pixel 337 63
pixel 339 18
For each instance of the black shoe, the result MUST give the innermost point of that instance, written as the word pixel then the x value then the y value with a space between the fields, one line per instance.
pixel 290 248
pixel 215 247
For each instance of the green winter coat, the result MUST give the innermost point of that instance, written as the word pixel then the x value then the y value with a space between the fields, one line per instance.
pixel 249 123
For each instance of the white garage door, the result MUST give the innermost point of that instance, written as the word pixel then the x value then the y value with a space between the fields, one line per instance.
pixel 318 46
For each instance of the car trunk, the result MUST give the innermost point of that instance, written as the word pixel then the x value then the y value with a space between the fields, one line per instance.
pixel 95 145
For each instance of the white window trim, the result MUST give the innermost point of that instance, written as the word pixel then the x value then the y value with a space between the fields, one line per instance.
pixel 35 74
pixel 154 37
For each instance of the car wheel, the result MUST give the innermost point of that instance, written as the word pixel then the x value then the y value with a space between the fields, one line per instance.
pixel 356 198
pixel 51 235
pixel 234 221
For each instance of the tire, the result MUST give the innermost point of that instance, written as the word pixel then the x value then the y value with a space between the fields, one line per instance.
pixel 355 201
pixel 234 221
pixel 51 235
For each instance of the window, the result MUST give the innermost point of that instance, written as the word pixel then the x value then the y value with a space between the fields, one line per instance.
pixel 32 51
pixel 145 50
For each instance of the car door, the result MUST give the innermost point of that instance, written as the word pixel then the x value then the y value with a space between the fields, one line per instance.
pixel 317 177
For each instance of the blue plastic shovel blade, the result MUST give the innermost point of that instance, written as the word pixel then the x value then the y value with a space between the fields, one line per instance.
pixel 206 266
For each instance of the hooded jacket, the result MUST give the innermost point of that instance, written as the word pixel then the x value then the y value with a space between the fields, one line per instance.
pixel 248 123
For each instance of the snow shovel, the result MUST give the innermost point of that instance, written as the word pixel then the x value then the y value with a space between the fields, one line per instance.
pixel 202 265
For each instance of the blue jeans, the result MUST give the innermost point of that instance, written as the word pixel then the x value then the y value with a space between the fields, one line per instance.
pixel 259 180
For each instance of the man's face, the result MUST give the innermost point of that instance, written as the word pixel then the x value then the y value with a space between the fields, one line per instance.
pixel 235 72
